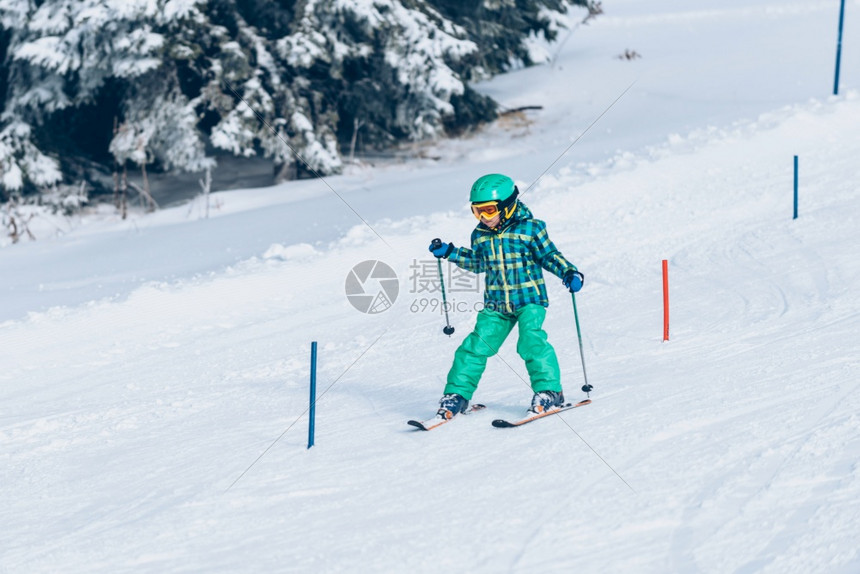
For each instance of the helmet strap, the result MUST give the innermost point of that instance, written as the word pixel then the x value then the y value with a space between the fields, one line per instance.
pixel 509 205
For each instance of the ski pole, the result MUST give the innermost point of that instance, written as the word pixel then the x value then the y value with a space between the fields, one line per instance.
pixel 447 329
pixel 586 388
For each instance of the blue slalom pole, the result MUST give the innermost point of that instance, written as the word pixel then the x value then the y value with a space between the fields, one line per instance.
pixel 313 394
pixel 795 188
pixel 839 48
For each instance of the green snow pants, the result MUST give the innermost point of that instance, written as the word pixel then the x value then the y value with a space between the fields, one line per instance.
pixel 491 330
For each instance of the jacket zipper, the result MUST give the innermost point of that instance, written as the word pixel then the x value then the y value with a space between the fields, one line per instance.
pixel 504 275
pixel 532 281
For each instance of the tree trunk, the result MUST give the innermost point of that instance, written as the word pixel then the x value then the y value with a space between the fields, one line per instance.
pixel 356 125
pixel 286 171
pixel 206 184
pixel 13 229
pixel 150 203
pixel 116 200
pixel 124 192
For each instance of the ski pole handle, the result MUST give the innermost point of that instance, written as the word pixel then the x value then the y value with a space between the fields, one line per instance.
pixel 434 245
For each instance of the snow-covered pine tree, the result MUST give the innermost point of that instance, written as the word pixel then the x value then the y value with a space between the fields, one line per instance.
pixel 258 104
pixel 173 72
pixel 61 54
pixel 291 80
pixel 389 65
pixel 506 31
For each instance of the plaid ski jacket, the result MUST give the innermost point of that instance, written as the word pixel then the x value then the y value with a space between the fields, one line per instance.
pixel 513 259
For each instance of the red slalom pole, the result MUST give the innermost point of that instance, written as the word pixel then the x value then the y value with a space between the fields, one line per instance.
pixel 665 300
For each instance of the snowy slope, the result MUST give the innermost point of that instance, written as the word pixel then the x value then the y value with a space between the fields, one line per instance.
pixel 162 429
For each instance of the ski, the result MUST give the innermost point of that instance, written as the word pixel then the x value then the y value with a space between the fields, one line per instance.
pixel 499 423
pixel 438 421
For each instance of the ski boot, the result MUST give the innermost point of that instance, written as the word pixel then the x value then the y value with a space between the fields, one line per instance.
pixel 543 401
pixel 451 405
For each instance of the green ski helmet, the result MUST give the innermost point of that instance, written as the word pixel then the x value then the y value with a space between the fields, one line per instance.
pixel 492 187
pixel 498 188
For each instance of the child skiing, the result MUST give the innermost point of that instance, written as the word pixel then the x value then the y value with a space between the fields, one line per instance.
pixel 512 249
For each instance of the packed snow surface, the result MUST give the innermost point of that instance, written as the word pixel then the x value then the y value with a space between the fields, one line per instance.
pixel 154 372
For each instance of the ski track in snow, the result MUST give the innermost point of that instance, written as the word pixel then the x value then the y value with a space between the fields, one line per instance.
pixel 131 428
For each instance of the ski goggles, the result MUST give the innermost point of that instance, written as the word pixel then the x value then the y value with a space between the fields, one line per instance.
pixel 487 210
